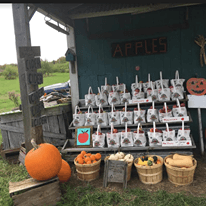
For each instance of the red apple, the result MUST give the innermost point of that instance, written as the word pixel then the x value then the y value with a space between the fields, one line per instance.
pixel 141 131
pixel 135 131
pixel 169 129
pixel 151 107
pixel 83 137
pixel 136 90
pixel 123 109
pixel 135 109
pixel 126 91
pixel 148 89
pixel 101 111
pixel 175 106
pixel 80 112
pixel 161 111
pixel 115 131
pixel 152 130
pixel 185 129
pixel 182 104
pixel 140 81
pixel 99 133
pixel 171 87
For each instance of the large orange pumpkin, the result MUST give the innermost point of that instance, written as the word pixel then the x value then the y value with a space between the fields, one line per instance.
pixel 65 172
pixel 196 86
pixel 43 162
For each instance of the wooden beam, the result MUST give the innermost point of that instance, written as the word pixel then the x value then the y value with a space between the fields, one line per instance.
pixel 138 32
pixel 22 35
pixel 31 12
pixel 73 71
pixel 133 10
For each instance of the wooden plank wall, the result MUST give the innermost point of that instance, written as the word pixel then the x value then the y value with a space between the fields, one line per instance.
pixel 54 131
pixel 95 61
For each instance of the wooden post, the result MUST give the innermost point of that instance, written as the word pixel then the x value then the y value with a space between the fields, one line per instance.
pixel 73 70
pixel 200 131
pixel 22 35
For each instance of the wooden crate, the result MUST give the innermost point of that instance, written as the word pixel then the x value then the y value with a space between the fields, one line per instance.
pixel 55 131
pixel 11 155
pixel 33 192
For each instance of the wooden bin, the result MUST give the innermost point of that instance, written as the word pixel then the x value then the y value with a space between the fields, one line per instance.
pixel 129 168
pixel 88 172
pixel 180 176
pixel 150 174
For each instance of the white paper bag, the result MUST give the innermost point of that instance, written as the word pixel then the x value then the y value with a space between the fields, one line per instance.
pixel 169 135
pixel 155 138
pixel 118 87
pixel 106 88
pixel 183 134
pixel 125 97
pixel 101 118
pixel 166 114
pixel 101 98
pixel 114 116
pixel 179 111
pixel 139 115
pixel 176 92
pixel 152 94
pixel 165 82
pixel 147 85
pixel 177 81
pixel 98 139
pixel 90 98
pixel 78 119
pixel 152 114
pixel 139 139
pixel 135 87
pixel 139 94
pixel 113 139
pixel 163 94
pixel 126 116
pixel 114 98
pixel 90 117
pixel 126 138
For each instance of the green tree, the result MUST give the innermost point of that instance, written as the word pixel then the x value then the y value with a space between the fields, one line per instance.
pixel 61 60
pixel 10 72
pixel 46 68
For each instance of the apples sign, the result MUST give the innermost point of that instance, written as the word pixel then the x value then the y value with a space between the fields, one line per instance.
pixel 83 136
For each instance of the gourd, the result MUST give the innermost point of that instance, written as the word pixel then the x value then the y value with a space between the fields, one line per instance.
pixel 120 154
pixel 43 162
pixel 129 158
pixel 98 156
pixel 65 172
pixel 180 163
pixel 140 162
pixel 113 157
pixel 181 157
pixel 149 162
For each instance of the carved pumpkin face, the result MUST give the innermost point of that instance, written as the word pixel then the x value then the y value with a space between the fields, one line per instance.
pixel 196 86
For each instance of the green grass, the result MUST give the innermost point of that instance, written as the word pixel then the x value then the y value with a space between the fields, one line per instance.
pixel 13 85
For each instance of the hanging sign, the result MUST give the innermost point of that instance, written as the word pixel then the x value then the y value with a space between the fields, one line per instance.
pixel 196 86
pixel 35 78
pixel 34 96
pixel 33 64
pixel 140 47
pixel 140 101
pixel 36 109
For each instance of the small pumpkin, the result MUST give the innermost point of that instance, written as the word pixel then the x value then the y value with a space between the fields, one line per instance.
pixel 43 162
pixel 89 162
pixel 83 153
pixel 87 159
pixel 79 160
pixel 65 172
pixel 196 86
pixel 92 157
pixel 98 156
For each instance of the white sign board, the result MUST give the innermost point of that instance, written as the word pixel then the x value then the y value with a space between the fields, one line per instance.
pixel 176 143
pixel 175 119
pixel 196 101
pixel 139 101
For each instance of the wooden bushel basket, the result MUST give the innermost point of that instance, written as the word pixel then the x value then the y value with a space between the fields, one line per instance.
pixel 129 168
pixel 88 172
pixel 180 176
pixel 150 174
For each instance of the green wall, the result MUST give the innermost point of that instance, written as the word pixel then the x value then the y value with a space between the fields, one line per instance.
pixel 95 61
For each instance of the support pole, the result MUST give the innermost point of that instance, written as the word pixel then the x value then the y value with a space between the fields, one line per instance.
pixel 73 70
pixel 200 131
pixel 22 36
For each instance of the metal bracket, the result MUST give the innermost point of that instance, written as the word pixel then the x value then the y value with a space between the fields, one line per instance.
pixel 31 12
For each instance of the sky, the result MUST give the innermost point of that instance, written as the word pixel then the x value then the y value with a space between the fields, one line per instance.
pixel 52 43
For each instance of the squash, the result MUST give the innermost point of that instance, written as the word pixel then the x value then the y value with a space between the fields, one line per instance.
pixel 43 162
pixel 65 172
pixel 181 157
pixel 113 157
pixel 98 156
pixel 180 163
pixel 149 162
pixel 140 162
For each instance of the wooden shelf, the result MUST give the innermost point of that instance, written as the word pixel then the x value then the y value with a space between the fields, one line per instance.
pixel 67 149
pixel 148 124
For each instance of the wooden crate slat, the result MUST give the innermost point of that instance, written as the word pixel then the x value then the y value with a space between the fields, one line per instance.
pixel 6 144
pixel 46 195
pixel 53 122
pixel 26 184
pixel 61 124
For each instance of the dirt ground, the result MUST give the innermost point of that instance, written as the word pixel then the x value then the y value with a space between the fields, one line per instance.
pixel 196 188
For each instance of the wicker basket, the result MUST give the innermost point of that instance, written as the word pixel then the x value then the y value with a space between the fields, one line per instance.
pixel 129 168
pixel 180 176
pixel 88 172
pixel 150 174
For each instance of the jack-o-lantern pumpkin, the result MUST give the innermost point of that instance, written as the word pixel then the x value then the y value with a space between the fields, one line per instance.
pixel 196 86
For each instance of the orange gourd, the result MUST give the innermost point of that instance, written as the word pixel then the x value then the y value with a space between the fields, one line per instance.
pixel 80 155
pixel 92 157
pixel 89 162
pixel 79 160
pixel 65 172
pixel 94 161
pixel 83 153
pixel 43 162
pixel 88 154
pixel 87 159
pixel 98 156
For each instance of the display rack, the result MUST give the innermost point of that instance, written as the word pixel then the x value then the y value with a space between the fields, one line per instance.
pixel 69 149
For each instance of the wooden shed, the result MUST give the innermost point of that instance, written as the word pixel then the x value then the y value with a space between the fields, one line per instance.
pixel 105 39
